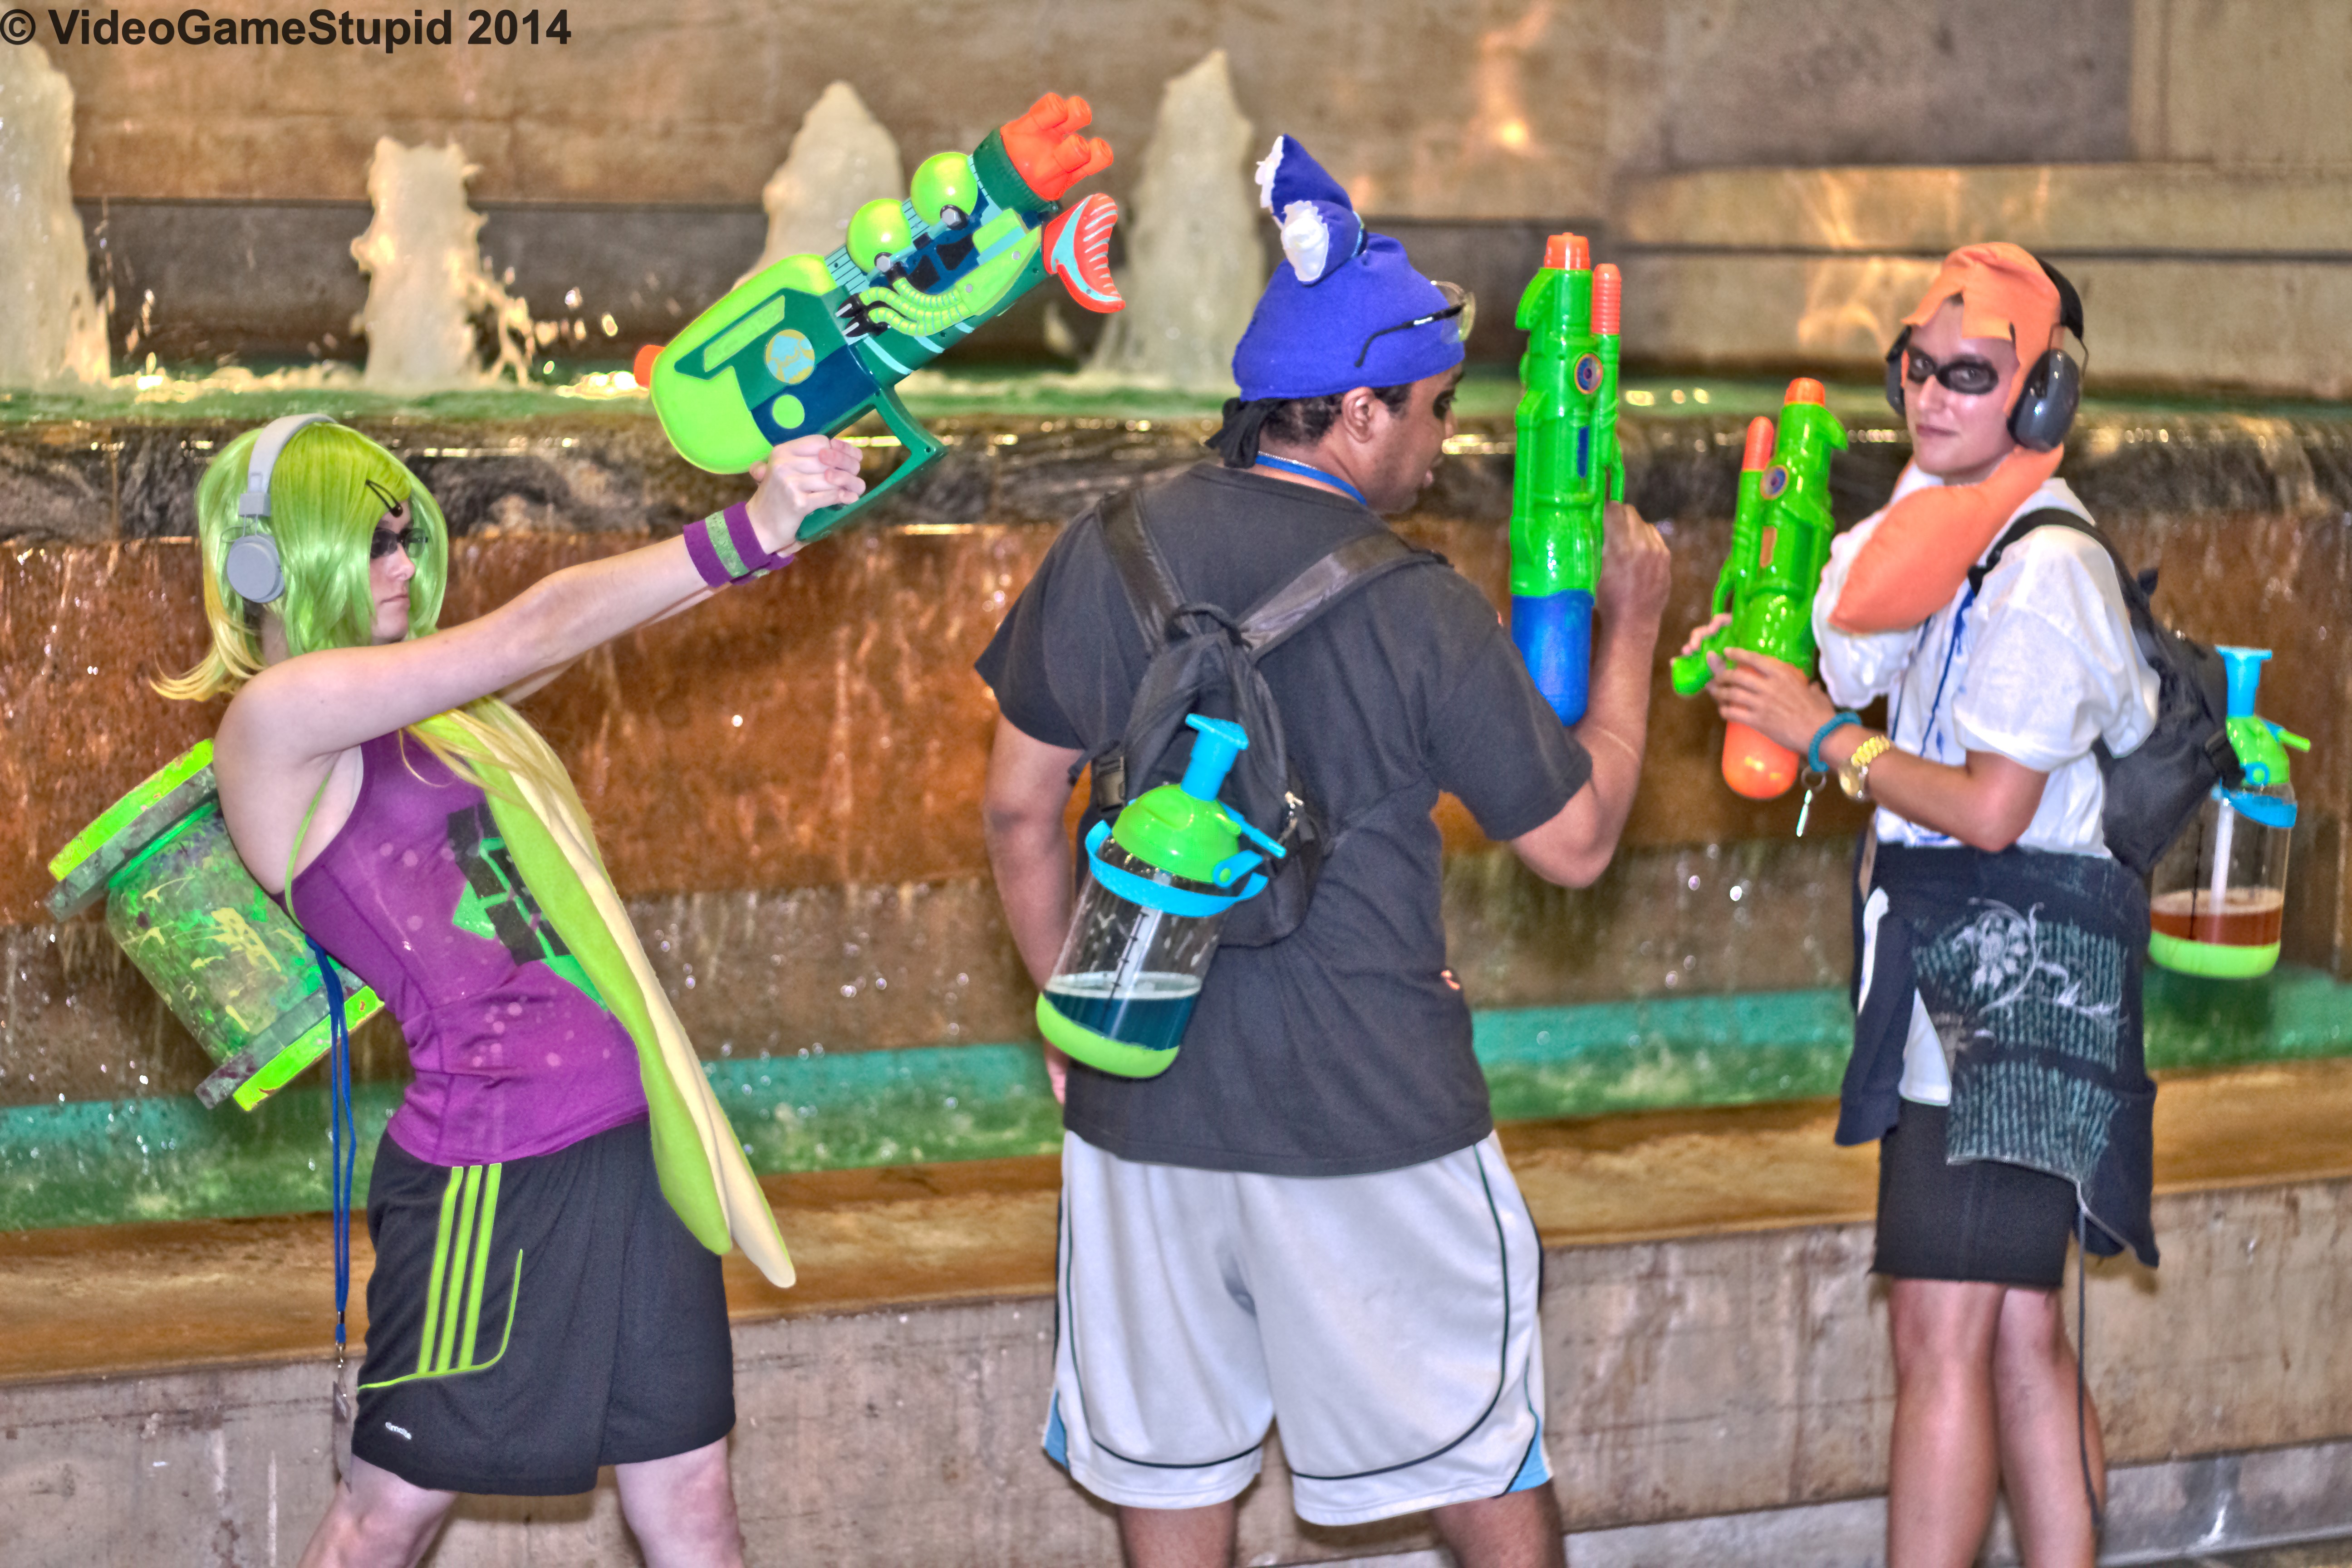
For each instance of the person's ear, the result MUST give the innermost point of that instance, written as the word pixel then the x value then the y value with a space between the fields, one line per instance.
pixel 1361 412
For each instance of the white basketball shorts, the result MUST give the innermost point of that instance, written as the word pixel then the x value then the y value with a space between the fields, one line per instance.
pixel 1387 1323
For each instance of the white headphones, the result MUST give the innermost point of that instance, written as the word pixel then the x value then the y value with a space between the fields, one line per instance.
pixel 250 567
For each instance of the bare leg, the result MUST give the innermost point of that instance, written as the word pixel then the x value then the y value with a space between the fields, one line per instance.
pixel 376 1520
pixel 1518 1529
pixel 682 1508
pixel 1944 1466
pixel 1177 1537
pixel 2041 1464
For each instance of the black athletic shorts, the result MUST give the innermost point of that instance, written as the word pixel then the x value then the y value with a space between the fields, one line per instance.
pixel 1984 1221
pixel 531 1321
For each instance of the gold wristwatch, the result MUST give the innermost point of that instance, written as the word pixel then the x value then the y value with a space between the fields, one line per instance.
pixel 1853 773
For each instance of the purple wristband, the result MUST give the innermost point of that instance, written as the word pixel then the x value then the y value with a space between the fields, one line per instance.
pixel 747 541
pixel 706 559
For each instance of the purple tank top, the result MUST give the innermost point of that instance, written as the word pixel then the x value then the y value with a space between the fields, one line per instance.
pixel 515 1054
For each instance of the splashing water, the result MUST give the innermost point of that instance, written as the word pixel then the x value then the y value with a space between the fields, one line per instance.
pixel 426 283
pixel 51 333
pixel 841 158
pixel 1193 268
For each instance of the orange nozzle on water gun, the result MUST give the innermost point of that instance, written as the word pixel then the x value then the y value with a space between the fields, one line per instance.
pixel 1757 455
pixel 1568 253
pixel 1046 147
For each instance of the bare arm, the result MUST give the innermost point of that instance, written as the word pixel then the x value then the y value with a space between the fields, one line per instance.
pixel 1021 814
pixel 301 717
pixel 1575 847
pixel 1987 802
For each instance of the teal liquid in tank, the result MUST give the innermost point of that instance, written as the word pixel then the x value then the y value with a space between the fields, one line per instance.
pixel 1150 1009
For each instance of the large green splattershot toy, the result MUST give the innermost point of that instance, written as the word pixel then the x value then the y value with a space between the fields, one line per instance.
pixel 810 344
pixel 1780 543
pixel 233 966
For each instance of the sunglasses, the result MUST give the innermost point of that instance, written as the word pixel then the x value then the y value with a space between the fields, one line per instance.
pixel 385 541
pixel 1461 308
pixel 1969 376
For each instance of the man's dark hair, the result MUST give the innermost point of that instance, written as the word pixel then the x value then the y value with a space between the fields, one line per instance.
pixel 1304 421
pixel 1293 421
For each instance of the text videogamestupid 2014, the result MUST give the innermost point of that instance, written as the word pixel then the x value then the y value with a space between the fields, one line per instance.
pixel 322 26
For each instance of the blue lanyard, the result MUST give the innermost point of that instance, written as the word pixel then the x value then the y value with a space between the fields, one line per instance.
pixel 1308 471
pixel 1895 698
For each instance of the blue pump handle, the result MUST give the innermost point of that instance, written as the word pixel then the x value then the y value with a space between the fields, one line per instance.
pixel 2243 668
pixel 1212 756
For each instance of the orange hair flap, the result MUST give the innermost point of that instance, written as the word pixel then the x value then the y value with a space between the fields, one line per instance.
pixel 1922 549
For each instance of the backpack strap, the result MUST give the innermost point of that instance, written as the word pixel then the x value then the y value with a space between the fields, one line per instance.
pixel 2153 638
pixel 1287 610
pixel 2136 587
pixel 1151 591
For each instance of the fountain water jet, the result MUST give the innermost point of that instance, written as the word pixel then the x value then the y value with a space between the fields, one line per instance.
pixel 426 283
pixel 51 333
pixel 1193 268
pixel 840 158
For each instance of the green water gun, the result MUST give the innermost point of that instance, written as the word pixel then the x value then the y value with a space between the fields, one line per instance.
pixel 809 345
pixel 1568 468
pixel 1780 543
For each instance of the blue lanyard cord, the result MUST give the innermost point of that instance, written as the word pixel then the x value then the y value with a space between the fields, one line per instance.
pixel 1959 624
pixel 1308 471
pixel 342 1138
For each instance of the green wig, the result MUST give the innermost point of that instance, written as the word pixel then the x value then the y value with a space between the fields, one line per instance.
pixel 329 488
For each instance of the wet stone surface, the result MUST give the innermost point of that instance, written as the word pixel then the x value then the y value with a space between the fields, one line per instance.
pixel 787 782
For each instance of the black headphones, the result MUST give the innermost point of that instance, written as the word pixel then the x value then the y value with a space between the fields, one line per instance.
pixel 2053 387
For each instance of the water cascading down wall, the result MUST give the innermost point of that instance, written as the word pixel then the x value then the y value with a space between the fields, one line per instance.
pixel 787 785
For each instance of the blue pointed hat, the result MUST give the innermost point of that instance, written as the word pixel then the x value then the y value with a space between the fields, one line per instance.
pixel 1338 284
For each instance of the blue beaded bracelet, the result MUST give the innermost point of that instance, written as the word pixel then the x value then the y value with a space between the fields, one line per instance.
pixel 1813 752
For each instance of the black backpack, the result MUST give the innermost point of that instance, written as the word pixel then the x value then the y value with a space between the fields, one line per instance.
pixel 2153 791
pixel 1204 660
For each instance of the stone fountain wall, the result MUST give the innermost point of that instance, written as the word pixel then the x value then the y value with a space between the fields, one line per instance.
pixel 1776 192
pixel 787 782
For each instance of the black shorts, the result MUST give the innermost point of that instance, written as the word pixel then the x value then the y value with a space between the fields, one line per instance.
pixel 531 1321
pixel 1982 1221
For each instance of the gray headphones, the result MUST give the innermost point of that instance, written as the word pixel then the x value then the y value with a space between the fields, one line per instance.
pixel 251 567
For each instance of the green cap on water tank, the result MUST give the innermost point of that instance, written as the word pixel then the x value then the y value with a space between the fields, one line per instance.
pixel 2260 745
pixel 1182 828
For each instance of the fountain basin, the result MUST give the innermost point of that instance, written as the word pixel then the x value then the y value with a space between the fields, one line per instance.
pixel 787 783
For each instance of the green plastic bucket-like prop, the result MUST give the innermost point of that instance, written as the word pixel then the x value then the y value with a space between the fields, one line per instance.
pixel 233 966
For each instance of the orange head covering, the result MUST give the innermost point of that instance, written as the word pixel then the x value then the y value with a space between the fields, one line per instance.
pixel 2003 293
pixel 1923 547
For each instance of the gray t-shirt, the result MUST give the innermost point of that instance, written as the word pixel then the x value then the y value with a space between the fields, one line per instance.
pixel 1345 1046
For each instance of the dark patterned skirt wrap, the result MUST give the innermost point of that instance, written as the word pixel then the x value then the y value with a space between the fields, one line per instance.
pixel 2029 964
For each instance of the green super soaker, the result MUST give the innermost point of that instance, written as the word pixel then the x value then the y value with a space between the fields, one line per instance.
pixel 810 344
pixel 1568 468
pixel 1780 543
pixel 233 967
